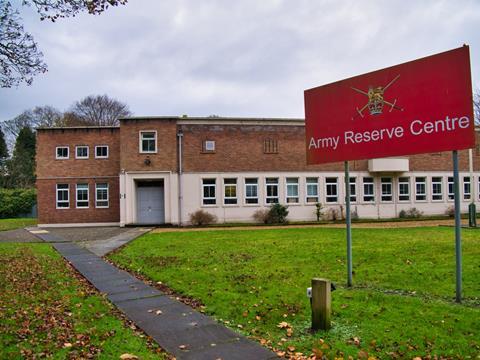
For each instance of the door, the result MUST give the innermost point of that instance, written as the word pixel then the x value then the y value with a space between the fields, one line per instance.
pixel 150 202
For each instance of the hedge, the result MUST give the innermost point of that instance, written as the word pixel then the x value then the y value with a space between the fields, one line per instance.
pixel 14 202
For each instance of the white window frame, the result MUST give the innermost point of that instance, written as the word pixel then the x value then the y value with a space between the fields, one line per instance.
pixel 368 185
pixel 82 157
pixel 209 145
pixel 313 183
pixel 225 197
pixel 96 196
pixel 424 194
pixel 289 199
pixel 88 196
pixel 62 157
pixel 436 182
pixel 478 188
pixel 400 191
pixel 140 141
pixel 450 183
pixel 382 193
pixel 246 197
pixel 467 196
pixel 267 197
pixel 214 198
pixel 102 157
pixel 353 189
pixel 334 185
pixel 62 201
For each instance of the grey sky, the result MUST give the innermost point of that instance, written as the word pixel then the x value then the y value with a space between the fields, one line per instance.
pixel 233 58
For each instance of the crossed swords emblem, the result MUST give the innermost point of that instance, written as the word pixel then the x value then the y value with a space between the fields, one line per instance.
pixel 376 100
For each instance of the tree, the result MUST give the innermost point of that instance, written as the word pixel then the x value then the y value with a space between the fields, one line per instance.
pixel 100 110
pixel 20 58
pixel 21 168
pixel 3 146
pixel 3 159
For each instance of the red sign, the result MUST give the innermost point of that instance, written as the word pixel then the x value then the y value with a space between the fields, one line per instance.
pixel 420 106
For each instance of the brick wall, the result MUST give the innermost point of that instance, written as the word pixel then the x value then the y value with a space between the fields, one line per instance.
pixel 166 156
pixel 46 199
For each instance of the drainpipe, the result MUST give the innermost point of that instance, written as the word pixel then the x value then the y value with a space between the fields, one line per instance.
pixel 180 171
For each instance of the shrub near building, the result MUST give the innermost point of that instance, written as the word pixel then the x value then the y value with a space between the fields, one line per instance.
pixel 14 202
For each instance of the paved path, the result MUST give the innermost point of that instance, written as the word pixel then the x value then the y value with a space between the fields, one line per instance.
pixel 17 236
pixel 176 327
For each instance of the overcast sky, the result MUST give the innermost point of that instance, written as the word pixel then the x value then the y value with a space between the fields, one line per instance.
pixel 233 58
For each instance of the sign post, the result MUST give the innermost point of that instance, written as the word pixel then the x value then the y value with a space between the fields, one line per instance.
pixel 458 235
pixel 417 107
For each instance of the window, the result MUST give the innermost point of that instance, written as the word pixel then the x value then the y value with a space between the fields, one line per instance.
pixel 81 152
pixel 63 200
pixel 82 195
pixel 353 189
pixel 251 191
pixel 478 192
pixel 208 146
pixel 271 185
pixel 312 190
pixel 101 152
pixel 101 195
pixel 466 188
pixel 62 152
pixel 437 193
pixel 368 189
pixel 386 189
pixel 420 188
pixel 331 186
pixel 209 187
pixel 270 146
pixel 292 190
pixel 451 189
pixel 230 191
pixel 148 142
pixel 403 189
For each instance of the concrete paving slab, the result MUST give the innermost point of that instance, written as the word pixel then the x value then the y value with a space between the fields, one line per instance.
pixel 18 236
pixel 112 289
pixel 140 306
pixel 132 295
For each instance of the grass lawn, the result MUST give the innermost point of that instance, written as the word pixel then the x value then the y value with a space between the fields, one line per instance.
pixel 17 223
pixel 48 311
pixel 401 305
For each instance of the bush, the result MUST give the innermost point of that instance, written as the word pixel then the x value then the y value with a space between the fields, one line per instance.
pixel 15 202
pixel 278 214
pixel 412 213
pixel 450 211
pixel 202 217
pixel 261 216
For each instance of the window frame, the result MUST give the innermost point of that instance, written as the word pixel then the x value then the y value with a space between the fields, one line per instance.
pixel 96 196
pixel 214 198
pixel 432 186
pixel 102 157
pixel 82 157
pixel 408 194
pixel 205 144
pixel 316 186
pixel 140 141
pixel 225 197
pixel 57 190
pixel 424 194
pixel 382 194
pixel 62 147
pixel 353 189
pixel 368 185
pixel 450 186
pixel 246 197
pixel 273 185
pixel 469 193
pixel 76 196
pixel 296 199
pixel 333 185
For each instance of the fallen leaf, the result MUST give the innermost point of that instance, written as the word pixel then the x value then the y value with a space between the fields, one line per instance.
pixel 281 353
pixel 283 325
pixel 257 318
pixel 289 332
pixel 67 345
pixel 291 348
pixel 182 347
pixel 128 357
pixel 362 354
pixel 158 312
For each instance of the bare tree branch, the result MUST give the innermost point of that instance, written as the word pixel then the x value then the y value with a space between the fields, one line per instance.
pixel 100 110
pixel 476 107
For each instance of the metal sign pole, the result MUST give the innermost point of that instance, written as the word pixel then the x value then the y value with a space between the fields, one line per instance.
pixel 348 221
pixel 458 235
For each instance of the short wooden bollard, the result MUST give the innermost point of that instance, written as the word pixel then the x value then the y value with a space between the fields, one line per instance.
pixel 321 304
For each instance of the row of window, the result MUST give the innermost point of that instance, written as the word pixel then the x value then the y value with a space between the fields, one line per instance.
pixel 312 195
pixel 82 199
pixel 81 152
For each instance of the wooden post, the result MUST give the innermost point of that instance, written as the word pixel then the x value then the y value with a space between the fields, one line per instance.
pixel 321 304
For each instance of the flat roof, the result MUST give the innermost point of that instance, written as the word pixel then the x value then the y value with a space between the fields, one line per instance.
pixel 212 118
pixel 77 128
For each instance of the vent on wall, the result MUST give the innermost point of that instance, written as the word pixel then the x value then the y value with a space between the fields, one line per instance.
pixel 270 146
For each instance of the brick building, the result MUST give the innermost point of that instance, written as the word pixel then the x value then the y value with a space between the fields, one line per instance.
pixel 154 170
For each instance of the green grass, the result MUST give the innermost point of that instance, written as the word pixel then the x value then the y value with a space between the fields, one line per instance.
pixel 11 224
pixel 47 311
pixel 402 304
